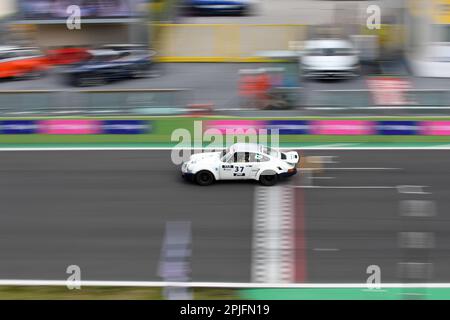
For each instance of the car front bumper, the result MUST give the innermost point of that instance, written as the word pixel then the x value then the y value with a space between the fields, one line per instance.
pixel 185 172
pixel 187 175
pixel 326 74
pixel 228 8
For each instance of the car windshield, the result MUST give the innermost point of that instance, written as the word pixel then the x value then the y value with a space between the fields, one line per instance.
pixel 225 152
pixel 329 52
pixel 102 58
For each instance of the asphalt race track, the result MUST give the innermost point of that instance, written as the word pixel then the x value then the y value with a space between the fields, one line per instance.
pixel 106 211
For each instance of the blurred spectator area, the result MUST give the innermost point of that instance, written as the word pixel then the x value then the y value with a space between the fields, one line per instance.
pixel 106 21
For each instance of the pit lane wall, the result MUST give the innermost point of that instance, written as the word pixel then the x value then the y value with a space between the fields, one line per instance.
pixel 243 42
pixel 223 42
pixel 157 131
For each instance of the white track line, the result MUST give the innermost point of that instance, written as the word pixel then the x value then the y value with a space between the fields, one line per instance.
pixel 409 189
pixel 237 285
pixel 324 178
pixel 319 147
pixel 358 168
pixel 337 145
pixel 346 187
pixel 272 254
pixel 418 208
pixel 322 159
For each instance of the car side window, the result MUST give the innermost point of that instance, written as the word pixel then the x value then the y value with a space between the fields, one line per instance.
pixel 232 158
pixel 256 157
pixel 239 157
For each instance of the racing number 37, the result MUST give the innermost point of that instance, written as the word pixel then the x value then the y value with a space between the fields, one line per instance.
pixel 238 169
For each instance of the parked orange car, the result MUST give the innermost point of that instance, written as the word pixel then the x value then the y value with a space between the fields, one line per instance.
pixel 16 62
pixel 67 55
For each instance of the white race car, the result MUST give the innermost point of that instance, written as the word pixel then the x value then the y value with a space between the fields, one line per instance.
pixel 330 58
pixel 241 161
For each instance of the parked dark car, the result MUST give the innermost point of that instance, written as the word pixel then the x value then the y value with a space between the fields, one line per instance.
pixel 218 7
pixel 106 65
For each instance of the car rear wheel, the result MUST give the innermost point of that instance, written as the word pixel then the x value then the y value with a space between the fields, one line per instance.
pixel 204 178
pixel 268 179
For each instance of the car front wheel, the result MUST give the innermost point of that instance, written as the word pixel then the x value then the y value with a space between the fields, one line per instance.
pixel 268 179
pixel 204 178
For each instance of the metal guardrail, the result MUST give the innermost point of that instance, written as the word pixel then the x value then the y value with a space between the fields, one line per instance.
pixel 363 101
pixel 94 102
pixel 139 102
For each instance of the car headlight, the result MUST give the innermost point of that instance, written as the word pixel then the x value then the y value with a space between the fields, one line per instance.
pixel 190 166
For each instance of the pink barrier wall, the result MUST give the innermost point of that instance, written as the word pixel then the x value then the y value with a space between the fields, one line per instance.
pixel 435 128
pixel 232 125
pixel 69 127
pixel 343 127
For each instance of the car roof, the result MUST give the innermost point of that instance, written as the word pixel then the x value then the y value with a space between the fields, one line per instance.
pixel 123 45
pixel 328 43
pixel 102 52
pixel 8 48
pixel 246 147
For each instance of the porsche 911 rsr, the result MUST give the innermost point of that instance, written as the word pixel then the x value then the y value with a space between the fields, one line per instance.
pixel 241 161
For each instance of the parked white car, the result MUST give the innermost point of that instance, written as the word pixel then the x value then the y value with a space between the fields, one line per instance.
pixel 329 58
pixel 241 161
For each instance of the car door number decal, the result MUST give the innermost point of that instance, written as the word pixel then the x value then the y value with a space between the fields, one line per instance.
pixel 238 172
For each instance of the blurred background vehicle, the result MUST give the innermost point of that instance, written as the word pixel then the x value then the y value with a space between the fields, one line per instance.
pixel 218 7
pixel 329 58
pixel 22 62
pixel 67 55
pixel 276 86
pixel 125 47
pixel 105 65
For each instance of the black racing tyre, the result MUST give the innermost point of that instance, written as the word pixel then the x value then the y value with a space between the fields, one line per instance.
pixel 204 178
pixel 268 179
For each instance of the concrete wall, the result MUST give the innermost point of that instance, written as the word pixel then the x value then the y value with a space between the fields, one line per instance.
pixel 7 7
pixel 59 35
pixel 217 43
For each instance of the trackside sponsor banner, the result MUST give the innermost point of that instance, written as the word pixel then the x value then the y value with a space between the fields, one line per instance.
pixel 69 127
pixel 435 128
pixel 390 91
pixel 236 126
pixel 398 127
pixel 18 127
pixel 289 126
pixel 126 127
pixel 342 127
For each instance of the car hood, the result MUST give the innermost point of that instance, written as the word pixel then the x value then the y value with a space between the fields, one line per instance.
pixel 205 156
pixel 327 62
